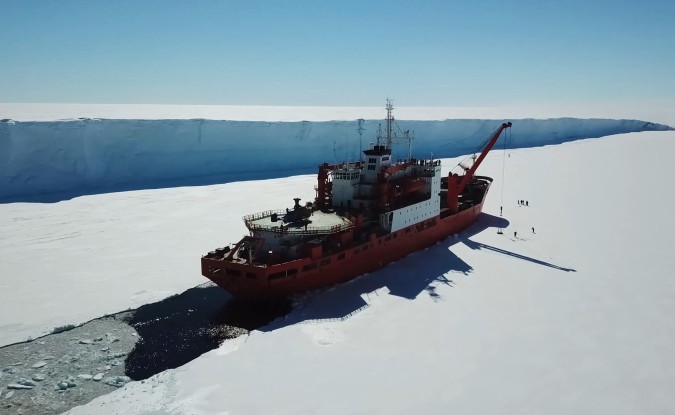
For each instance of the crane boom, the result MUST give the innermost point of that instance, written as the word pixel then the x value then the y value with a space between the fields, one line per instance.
pixel 456 184
pixel 469 174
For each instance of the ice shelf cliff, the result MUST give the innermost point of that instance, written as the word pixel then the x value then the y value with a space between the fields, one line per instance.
pixel 99 155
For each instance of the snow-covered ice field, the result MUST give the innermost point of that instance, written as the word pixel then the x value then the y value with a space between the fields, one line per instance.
pixel 576 318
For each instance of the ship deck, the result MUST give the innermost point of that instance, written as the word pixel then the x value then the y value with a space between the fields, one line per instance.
pixel 318 222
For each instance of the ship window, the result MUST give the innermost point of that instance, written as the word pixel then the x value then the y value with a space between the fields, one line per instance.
pixel 388 238
pixel 309 266
pixel 371 167
pixel 372 160
pixel 385 158
pixel 277 275
pixel 325 261
pixel 407 230
pixel 292 271
pixel 250 275
pixel 341 256
pixel 234 272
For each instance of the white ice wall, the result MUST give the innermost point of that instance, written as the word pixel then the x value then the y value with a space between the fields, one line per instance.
pixel 91 155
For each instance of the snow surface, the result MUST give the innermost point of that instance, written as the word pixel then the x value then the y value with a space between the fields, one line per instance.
pixel 85 156
pixel 573 319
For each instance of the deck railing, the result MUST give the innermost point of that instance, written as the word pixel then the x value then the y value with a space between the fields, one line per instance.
pixel 278 227
pixel 264 214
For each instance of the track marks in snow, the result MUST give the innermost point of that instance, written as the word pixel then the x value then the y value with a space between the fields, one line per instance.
pixel 324 334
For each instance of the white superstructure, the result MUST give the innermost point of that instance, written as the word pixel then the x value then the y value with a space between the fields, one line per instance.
pixel 403 193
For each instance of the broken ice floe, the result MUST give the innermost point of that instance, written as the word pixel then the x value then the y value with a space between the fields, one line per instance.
pixel 38 377
pixel 64 384
pixel 18 386
pixel 117 381
pixel 26 382
pixel 61 329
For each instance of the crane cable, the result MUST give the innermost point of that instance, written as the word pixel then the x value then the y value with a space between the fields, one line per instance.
pixel 507 135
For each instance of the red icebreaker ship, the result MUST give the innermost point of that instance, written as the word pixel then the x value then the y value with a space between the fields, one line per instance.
pixel 365 216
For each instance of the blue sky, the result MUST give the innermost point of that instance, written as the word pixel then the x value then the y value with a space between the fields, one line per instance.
pixel 356 53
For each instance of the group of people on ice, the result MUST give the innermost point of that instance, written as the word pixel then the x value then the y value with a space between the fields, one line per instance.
pixel 522 203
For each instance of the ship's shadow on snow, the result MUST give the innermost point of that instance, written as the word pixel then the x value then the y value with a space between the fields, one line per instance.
pixel 420 272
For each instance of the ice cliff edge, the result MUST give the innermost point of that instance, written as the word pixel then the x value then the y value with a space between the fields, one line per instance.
pixel 99 155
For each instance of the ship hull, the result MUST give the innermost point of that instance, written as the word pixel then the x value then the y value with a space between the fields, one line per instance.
pixel 256 283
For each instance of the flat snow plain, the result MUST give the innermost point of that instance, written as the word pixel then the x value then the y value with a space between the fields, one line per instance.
pixel 575 318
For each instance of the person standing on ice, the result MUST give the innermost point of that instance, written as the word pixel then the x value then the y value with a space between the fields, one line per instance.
pixel 515 234
pixel 533 229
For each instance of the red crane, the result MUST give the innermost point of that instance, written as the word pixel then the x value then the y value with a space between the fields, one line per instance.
pixel 456 184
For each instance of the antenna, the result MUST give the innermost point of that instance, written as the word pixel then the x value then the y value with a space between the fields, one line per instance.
pixel 410 140
pixel 390 122
pixel 360 130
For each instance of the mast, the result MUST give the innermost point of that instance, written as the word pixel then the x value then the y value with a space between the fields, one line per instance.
pixel 360 130
pixel 390 121
pixel 389 128
pixel 389 136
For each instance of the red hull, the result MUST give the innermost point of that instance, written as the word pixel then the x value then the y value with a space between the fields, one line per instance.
pixel 256 283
